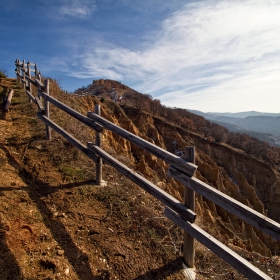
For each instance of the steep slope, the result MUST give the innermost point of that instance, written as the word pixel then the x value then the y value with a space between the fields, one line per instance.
pixel 56 223
pixel 230 170
pixel 245 179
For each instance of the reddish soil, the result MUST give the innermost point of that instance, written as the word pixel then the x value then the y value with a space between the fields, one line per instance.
pixel 56 223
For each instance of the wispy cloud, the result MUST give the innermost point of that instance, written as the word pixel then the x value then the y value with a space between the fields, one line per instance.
pixel 209 50
pixel 77 9
pixel 79 12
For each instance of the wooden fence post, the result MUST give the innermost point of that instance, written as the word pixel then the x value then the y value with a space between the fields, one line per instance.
pixel 98 143
pixel 9 100
pixel 23 74
pixel 189 201
pixel 36 71
pixel 18 70
pixel 29 73
pixel 30 90
pixel 47 108
pixel 28 81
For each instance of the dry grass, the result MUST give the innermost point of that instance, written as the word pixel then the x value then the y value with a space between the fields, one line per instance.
pixel 120 223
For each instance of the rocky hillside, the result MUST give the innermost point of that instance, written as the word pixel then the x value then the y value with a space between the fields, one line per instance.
pixel 56 224
pixel 227 169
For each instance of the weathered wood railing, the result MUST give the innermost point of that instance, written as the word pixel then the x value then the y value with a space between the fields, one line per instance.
pixel 180 169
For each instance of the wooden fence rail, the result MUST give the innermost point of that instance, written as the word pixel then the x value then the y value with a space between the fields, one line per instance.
pixel 180 169
pixel 242 211
pixel 239 263
pixel 184 166
pixel 158 193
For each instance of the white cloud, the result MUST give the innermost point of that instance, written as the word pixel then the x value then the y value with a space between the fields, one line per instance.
pixel 79 12
pixel 224 51
pixel 77 9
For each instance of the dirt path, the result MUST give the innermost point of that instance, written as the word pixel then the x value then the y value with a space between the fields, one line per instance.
pixel 56 224
pixel 26 241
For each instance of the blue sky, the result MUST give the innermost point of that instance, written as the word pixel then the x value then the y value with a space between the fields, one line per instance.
pixel 212 56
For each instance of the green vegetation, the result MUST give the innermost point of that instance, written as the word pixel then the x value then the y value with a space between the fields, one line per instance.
pixel 71 173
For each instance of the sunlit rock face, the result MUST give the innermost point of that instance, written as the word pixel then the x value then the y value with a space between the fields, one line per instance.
pixel 229 170
pixel 257 182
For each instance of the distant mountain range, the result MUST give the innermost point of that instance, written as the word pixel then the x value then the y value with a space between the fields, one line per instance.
pixel 264 126
pixel 235 115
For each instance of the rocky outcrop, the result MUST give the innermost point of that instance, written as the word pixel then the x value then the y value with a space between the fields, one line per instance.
pixel 229 170
pixel 257 182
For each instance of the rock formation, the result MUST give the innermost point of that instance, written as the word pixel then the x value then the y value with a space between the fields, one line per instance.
pixel 229 170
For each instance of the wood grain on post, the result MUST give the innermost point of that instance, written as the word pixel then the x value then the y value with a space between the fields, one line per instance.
pixel 189 201
pixel 98 143
pixel 47 108
pixel 9 99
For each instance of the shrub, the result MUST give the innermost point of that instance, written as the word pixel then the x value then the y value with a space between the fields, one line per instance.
pixel 3 73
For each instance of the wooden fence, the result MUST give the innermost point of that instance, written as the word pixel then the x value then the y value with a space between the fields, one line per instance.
pixel 180 169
